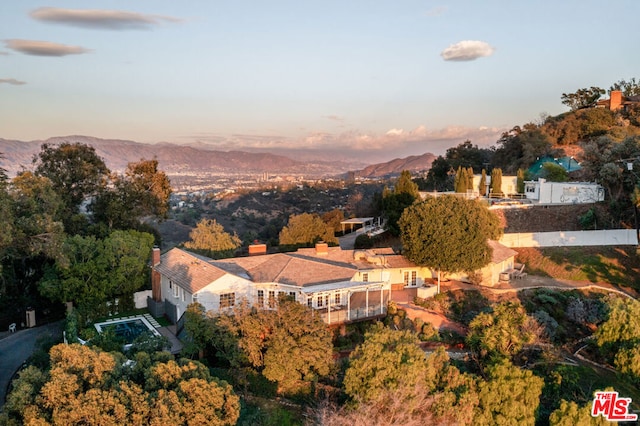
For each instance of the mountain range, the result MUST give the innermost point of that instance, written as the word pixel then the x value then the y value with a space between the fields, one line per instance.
pixel 176 159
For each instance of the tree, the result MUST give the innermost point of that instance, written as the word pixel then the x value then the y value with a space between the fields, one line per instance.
pixel 96 271
pixel 482 186
pixel 469 156
pixel 449 234
pixel 75 171
pixel 621 330
pixel 305 230
pixel 210 238
pixel 392 381
pixel 386 360
pixel 554 172
pixel 628 88
pixel 571 414
pixel 142 191
pixel 395 202
pixel 85 386
pixel 582 98
pixel 288 345
pixel 520 181
pixel 439 176
pixel 503 332
pixel 508 396
pixel 334 219
pixel 496 182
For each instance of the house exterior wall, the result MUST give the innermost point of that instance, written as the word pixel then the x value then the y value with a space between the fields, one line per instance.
pixel 563 192
pixel 210 296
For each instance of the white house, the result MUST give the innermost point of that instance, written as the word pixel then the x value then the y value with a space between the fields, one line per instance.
pixel 544 192
pixel 343 285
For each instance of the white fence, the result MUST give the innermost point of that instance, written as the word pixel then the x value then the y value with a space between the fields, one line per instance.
pixel 608 237
pixel 140 298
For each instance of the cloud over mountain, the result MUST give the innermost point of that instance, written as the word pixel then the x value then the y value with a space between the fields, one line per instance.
pixel 467 50
pixel 100 19
pixel 43 48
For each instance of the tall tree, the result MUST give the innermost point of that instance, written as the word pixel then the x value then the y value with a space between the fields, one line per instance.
pixel 582 98
pixel 142 191
pixel 520 181
pixel 496 182
pixel 628 88
pixel 405 185
pixel 482 186
pixel 210 239
pixel 394 203
pixel 76 172
pixel 449 234
pixel 305 230
pixel 509 396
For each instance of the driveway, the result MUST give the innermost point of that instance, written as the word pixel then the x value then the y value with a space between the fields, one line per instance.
pixel 16 348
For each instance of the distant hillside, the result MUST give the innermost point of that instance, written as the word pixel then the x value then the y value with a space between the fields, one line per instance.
pixel 414 163
pixel 172 158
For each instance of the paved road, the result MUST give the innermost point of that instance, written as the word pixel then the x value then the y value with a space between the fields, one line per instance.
pixel 16 348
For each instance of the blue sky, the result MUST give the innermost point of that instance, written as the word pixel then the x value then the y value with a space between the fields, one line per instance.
pixel 376 78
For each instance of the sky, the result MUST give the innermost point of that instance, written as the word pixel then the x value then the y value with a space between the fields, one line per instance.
pixel 374 79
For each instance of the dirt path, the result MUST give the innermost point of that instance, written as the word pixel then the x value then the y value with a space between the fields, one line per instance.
pixel 438 320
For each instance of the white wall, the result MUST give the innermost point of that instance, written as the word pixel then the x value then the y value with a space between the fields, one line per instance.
pixel 610 237
pixel 140 298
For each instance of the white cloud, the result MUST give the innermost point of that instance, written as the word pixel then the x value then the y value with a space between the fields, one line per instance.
pixel 467 50
pixel 395 132
pixel 100 19
pixel 43 48
pixel 12 81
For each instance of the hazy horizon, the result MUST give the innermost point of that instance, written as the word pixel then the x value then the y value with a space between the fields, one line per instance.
pixel 378 79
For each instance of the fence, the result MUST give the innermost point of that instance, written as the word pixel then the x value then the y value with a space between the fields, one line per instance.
pixel 608 237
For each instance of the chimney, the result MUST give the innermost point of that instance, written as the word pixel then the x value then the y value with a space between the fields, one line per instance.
pixel 615 102
pixel 156 281
pixel 322 247
pixel 257 249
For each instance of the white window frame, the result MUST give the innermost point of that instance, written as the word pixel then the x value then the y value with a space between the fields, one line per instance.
pixel 229 300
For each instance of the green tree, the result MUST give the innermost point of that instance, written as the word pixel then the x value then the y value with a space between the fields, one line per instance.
pixel 76 173
pixel 439 176
pixel 520 181
pixel 448 233
pixel 482 186
pixel 621 330
pixel 468 155
pixel 582 98
pixel 210 239
pixel 96 271
pixel 554 172
pixel 142 191
pixel 305 230
pixel 386 360
pixel 496 182
pixel 628 88
pixel 503 332
pixel 509 396
pixel 395 202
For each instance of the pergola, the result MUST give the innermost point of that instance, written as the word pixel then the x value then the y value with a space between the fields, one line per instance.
pixel 362 221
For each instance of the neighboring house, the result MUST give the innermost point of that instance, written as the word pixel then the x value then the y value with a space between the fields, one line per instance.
pixel 544 192
pixel 342 285
pixel 617 101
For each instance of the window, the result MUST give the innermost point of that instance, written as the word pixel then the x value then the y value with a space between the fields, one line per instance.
pixel 176 289
pixel 261 298
pixel 310 302
pixel 182 294
pixel 272 298
pixel 326 300
pixel 320 302
pixel 227 300
pixel 365 277
pixel 410 278
pixel 292 295
pixel 336 299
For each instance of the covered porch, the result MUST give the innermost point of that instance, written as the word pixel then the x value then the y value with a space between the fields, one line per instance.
pixel 340 303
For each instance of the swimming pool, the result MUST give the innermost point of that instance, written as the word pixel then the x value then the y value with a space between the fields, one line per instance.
pixel 129 329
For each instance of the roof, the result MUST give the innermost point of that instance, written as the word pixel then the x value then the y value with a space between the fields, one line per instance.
pixel 500 252
pixel 357 220
pixel 189 271
pixel 303 268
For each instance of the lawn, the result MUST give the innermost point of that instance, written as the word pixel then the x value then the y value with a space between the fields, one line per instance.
pixel 618 265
